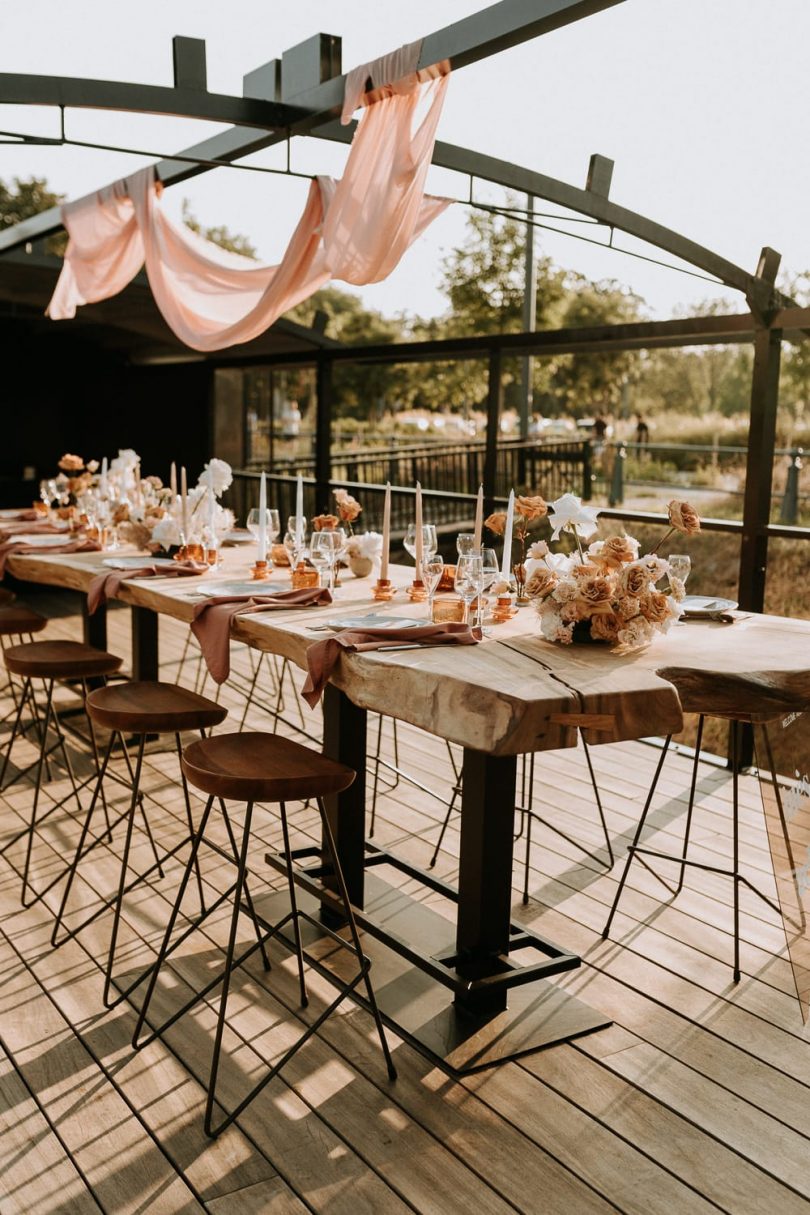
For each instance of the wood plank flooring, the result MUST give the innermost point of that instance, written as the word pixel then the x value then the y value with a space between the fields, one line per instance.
pixel 696 1099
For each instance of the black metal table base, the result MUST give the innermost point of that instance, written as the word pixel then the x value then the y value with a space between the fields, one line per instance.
pixel 459 1024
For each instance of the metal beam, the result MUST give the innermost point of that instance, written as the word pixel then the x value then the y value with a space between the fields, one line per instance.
pixel 182 102
pixel 759 470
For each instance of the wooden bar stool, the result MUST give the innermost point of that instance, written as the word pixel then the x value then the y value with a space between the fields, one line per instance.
pixel 143 709
pixel 17 625
pixel 51 662
pixel 753 698
pixel 250 768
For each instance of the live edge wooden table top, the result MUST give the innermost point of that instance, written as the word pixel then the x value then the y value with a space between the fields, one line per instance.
pixel 514 693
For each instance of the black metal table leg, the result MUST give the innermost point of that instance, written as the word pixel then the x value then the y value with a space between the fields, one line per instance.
pixel 344 740
pixel 94 628
pixel 145 663
pixel 485 873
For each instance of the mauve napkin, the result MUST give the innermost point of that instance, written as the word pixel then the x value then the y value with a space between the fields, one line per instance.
pixel 323 655
pixel 26 516
pixel 106 585
pixel 73 546
pixel 42 527
pixel 212 621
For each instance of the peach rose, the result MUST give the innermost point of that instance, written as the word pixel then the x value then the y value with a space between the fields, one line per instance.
pixel 325 523
pixel 595 591
pixel 655 607
pixel 531 508
pixel 684 518
pixel 541 583
pixel 71 463
pixel 496 522
pixel 605 627
pixel 634 580
pixel 348 507
pixel 121 513
pixel 585 571
pixel 618 550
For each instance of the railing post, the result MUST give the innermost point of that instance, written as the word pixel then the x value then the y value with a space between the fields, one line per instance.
pixel 789 512
pixel 616 496
pixel 493 429
pixel 323 430
pixel 587 471
pixel 759 469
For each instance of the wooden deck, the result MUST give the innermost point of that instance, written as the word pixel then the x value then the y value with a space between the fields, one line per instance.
pixel 696 1099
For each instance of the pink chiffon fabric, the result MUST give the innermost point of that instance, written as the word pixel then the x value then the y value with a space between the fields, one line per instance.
pixel 356 229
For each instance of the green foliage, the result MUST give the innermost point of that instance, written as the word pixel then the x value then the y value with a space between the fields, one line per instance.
pixel 25 198
pixel 234 242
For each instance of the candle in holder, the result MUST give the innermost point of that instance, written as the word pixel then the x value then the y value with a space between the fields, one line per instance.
pixel 211 510
pixel 386 540
pixel 184 502
pixel 262 553
pixel 173 481
pixel 299 510
pixel 479 518
pixel 506 566
pixel 419 556
pixel 102 485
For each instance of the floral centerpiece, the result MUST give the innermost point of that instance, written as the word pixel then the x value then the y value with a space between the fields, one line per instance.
pixel 607 592
pixel 529 509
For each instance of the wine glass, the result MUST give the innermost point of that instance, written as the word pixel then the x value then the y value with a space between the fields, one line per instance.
pixel 469 581
pixel 465 544
pixel 272 524
pixel 330 545
pixel 491 574
pixel 432 570
pixel 430 541
pixel 318 555
pixel 295 539
pixel 680 565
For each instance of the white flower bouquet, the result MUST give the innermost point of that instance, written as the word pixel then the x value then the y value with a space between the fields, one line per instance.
pixel 606 592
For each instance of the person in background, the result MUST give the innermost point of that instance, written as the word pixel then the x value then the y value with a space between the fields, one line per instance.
pixel 642 431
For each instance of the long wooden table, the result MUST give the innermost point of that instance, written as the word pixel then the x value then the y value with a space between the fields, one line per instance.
pixel 463 998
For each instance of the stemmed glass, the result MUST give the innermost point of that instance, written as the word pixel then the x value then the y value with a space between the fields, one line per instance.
pixel 272 527
pixel 469 581
pixel 432 570
pixel 491 573
pixel 430 541
pixel 680 565
pixel 295 539
pixel 465 544
pixel 329 545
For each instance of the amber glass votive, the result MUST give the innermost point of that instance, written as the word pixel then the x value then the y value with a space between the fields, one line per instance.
pixel 305 575
pixel 447 609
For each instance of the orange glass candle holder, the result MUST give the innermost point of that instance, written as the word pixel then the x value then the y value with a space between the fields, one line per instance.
pixel 260 571
pixel 383 589
pixel 417 591
pixel 504 609
pixel 447 609
pixel 305 576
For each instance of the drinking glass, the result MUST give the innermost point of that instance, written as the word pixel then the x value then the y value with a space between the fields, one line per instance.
pixel 491 574
pixel 465 544
pixel 329 545
pixel 432 570
pixel 469 581
pixel 318 555
pixel 295 539
pixel 679 566
pixel 272 527
pixel 430 541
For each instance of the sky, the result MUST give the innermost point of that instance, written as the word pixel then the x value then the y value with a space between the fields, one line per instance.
pixel 702 104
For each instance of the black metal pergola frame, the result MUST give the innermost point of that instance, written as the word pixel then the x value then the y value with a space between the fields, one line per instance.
pixel 302 93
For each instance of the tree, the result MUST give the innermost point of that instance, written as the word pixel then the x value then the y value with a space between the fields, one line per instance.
pixel 26 198
pixel 234 242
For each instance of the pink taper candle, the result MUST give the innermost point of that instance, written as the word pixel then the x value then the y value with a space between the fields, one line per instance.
pixel 418 538
pixel 479 517
pixel 386 540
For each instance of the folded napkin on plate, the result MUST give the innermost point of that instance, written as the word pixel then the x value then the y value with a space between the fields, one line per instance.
pixel 106 585
pixel 43 527
pixel 70 546
pixel 323 655
pixel 19 516
pixel 212 621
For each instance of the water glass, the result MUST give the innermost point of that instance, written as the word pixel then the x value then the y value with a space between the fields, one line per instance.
pixel 680 565
pixel 469 581
pixel 328 546
pixel 465 544
pixel 491 574
pixel 430 541
pixel 432 570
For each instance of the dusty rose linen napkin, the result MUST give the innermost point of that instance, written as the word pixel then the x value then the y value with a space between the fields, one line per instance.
pixel 41 527
pixel 107 585
pixel 23 515
pixel 73 546
pixel 212 621
pixel 323 655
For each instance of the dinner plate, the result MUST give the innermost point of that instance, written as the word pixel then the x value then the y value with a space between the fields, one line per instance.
pixel 373 621
pixel 12 514
pixel 706 605
pixel 239 535
pixel 138 563
pixel 39 540
pixel 242 588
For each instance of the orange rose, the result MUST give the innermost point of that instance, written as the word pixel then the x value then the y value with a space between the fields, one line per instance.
pixel 595 591
pixel 634 581
pixel 618 550
pixel 541 583
pixel 605 627
pixel 348 507
pixel 684 518
pixel 531 508
pixel 496 523
pixel 325 523
pixel 655 607
pixel 70 463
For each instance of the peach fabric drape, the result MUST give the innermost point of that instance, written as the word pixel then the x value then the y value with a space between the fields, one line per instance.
pixel 356 229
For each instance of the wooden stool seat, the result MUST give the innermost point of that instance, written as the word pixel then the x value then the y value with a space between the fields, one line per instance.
pixel 15 619
pixel 749 696
pixel 59 660
pixel 260 767
pixel 148 707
